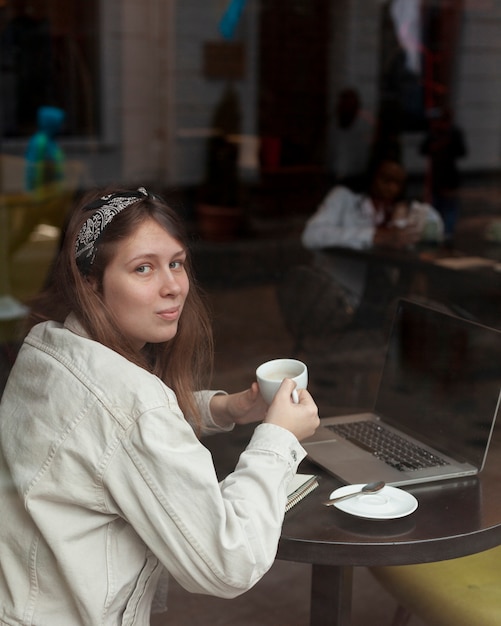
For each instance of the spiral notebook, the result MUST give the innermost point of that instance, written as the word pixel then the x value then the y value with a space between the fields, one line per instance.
pixel 300 487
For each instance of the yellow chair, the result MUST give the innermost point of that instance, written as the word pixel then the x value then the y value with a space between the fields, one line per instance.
pixel 458 592
pixel 22 214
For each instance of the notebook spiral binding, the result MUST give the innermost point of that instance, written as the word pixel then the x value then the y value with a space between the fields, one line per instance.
pixel 301 493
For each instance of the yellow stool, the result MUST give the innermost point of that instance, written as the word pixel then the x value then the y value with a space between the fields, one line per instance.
pixel 459 592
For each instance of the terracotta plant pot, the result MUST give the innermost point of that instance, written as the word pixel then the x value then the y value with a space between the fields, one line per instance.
pixel 218 223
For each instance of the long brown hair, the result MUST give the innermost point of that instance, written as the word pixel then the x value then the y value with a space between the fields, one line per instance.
pixel 185 362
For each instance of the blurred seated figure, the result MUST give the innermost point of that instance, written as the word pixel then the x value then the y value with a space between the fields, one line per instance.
pixel 44 156
pixel 444 144
pixel 378 217
pixel 352 139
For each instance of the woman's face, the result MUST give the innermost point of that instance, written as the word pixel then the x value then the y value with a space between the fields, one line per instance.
pixel 388 182
pixel 145 284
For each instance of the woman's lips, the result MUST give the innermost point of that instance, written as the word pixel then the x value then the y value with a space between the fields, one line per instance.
pixel 169 314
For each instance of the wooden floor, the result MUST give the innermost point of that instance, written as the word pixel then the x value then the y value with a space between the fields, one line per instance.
pixel 281 598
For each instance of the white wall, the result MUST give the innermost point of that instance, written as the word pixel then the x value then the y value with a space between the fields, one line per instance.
pixel 478 109
pixel 157 105
pixel 194 95
pixel 354 62
pixel 353 53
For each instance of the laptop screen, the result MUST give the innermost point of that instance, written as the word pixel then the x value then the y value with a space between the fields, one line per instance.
pixel 441 381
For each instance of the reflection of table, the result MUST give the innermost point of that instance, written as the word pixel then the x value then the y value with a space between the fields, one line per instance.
pixel 470 279
pixel 431 260
pixel 454 518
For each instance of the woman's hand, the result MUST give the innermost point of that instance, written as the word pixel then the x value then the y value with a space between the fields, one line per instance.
pixel 238 408
pixel 248 406
pixel 395 237
pixel 300 419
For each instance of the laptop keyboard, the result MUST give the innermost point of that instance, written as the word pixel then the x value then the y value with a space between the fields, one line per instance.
pixel 387 445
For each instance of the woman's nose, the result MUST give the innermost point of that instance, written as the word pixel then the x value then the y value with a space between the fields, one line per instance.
pixel 170 285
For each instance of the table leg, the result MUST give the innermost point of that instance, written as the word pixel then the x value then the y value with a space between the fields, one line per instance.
pixel 331 595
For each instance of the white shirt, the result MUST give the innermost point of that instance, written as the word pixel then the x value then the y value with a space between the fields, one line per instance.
pixel 348 219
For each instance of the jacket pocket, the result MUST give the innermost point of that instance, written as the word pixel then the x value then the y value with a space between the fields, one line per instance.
pixel 138 608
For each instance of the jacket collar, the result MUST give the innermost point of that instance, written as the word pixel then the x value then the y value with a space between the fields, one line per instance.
pixel 73 323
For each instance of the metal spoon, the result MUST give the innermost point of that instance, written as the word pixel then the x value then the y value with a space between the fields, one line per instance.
pixel 369 488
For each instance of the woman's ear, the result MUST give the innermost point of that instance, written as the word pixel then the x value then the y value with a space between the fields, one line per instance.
pixel 94 283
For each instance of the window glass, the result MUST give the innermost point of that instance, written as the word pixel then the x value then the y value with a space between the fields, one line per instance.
pixel 49 51
pixel 246 114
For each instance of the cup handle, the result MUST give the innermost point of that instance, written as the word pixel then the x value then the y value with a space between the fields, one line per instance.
pixel 295 397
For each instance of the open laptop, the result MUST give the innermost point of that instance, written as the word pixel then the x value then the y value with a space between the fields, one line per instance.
pixel 439 391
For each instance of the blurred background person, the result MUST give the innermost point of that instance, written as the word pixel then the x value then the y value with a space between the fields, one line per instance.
pixel 351 140
pixel 378 217
pixel 444 144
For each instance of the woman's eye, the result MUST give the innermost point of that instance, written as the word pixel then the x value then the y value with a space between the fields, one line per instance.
pixel 143 269
pixel 176 265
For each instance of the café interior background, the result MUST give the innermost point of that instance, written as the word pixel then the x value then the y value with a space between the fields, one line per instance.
pixel 228 107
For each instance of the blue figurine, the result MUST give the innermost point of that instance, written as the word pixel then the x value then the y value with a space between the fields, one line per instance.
pixel 44 157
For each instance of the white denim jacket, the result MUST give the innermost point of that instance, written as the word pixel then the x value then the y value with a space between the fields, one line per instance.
pixel 103 483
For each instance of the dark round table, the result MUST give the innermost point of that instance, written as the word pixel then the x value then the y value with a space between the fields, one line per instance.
pixel 454 518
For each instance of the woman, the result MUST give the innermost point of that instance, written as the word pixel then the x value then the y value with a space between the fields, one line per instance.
pixel 378 218
pixel 103 481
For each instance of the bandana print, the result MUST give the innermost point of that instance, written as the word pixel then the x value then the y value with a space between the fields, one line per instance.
pixel 107 208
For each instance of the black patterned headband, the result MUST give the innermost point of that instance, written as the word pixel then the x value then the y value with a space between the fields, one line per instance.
pixel 107 207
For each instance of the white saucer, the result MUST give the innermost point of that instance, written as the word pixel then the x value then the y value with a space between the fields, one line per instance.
pixel 388 503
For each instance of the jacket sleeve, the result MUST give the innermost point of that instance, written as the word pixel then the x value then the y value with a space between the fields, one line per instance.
pixel 343 219
pixel 209 426
pixel 216 538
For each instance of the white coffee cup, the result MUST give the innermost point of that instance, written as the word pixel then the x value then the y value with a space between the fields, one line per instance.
pixel 270 375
